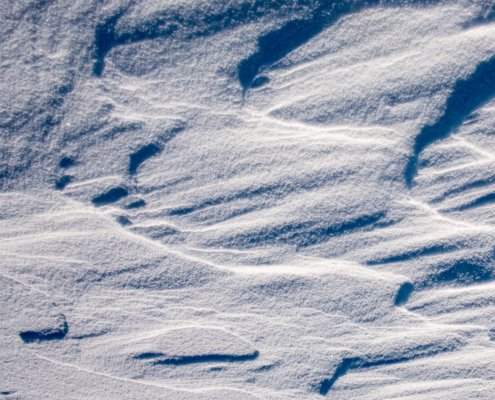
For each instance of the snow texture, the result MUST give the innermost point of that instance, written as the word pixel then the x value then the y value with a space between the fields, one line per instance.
pixel 247 199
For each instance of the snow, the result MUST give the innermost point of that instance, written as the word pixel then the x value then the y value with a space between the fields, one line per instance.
pixel 247 200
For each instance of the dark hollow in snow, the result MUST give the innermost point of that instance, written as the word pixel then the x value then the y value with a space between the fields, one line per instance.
pixel 123 220
pixel 47 334
pixel 265 368
pixel 344 366
pixel 140 156
pixel 62 182
pixel 111 196
pixel 136 204
pixel 104 41
pixel 259 81
pixel 403 293
pixel 66 162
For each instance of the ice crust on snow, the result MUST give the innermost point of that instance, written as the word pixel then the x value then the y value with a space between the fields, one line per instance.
pixel 247 199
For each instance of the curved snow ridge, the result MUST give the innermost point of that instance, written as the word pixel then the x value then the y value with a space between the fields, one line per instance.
pixel 455 174
pixel 156 231
pixel 468 95
pixel 115 251
pixel 319 266
pixel 299 235
pixel 405 353
pixel 192 345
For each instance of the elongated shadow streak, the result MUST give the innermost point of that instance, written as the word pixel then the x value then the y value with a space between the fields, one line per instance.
pixel 205 358
pixel 427 250
pixel 111 196
pixel 479 202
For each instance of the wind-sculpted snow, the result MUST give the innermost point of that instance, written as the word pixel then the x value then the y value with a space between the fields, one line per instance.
pixel 113 195
pixel 47 334
pixel 467 95
pixel 183 22
pixel 403 293
pixel 194 345
pixel 348 364
pixel 276 44
pixel 137 158
pixel 63 181
pixel 247 200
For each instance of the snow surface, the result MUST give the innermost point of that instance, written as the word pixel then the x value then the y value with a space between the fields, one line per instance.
pixel 247 199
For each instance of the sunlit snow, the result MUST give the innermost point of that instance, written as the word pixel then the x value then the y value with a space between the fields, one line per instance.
pixel 247 199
